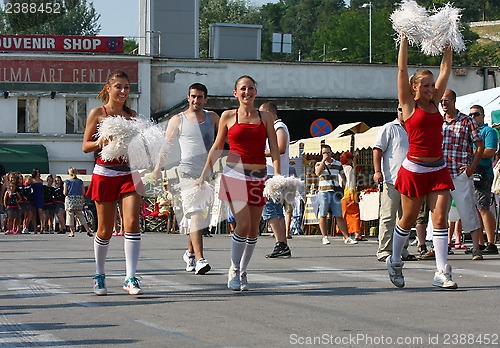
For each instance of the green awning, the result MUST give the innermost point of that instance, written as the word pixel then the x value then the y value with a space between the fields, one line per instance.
pixel 24 158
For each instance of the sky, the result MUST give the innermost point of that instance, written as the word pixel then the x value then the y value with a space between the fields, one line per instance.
pixel 118 19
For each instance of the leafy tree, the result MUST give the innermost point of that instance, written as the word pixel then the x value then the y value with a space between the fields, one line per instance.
pixel 130 47
pixel 302 18
pixel 271 15
pixel 76 17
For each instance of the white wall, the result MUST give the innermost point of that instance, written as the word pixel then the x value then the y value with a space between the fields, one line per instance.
pixel 171 78
pixel 8 116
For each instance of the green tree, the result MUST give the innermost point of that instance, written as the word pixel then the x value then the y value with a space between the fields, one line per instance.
pixel 130 47
pixel 302 18
pixel 73 17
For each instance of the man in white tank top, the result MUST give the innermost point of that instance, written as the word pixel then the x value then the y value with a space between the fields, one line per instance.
pixel 195 130
pixel 273 212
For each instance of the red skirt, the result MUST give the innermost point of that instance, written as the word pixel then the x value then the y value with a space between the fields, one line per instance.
pixel 413 184
pixel 245 189
pixel 111 188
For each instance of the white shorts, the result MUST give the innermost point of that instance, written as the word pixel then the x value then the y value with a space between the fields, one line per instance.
pixel 465 200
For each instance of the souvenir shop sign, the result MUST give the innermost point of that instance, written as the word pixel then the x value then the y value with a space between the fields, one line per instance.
pixel 68 76
pixel 60 43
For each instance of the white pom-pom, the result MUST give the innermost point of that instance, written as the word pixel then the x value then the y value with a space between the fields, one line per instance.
pixel 115 132
pixel 194 195
pixel 445 25
pixel 147 146
pixel 282 189
pixel 412 21
pixel 137 140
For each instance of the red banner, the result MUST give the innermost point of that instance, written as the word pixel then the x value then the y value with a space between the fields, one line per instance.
pixel 63 75
pixel 58 43
pixel 64 71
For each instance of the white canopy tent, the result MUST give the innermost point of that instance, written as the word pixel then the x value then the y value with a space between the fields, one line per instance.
pixel 489 99
pixel 337 139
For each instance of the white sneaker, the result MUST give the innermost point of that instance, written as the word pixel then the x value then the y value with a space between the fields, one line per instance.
pixel 100 285
pixel 443 279
pixel 243 282
pixel 395 270
pixel 190 261
pixel 132 286
pixel 233 279
pixel 325 240
pixel 202 266
pixel 349 240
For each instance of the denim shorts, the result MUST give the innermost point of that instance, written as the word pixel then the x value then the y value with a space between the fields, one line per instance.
pixel 483 194
pixel 330 201
pixel 272 209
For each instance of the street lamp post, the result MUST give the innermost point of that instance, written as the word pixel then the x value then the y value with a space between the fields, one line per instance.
pixel 370 6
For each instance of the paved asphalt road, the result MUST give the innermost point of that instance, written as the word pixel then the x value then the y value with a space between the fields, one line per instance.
pixel 333 295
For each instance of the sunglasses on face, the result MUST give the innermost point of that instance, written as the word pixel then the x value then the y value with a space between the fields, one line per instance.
pixel 326 153
pixel 400 109
pixel 443 101
pixel 475 114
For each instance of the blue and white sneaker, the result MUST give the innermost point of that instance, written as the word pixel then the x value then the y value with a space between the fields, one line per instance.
pixel 100 285
pixel 233 279
pixel 132 286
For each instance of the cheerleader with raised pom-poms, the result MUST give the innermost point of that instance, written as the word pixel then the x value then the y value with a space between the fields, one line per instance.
pixel 423 172
pixel 113 180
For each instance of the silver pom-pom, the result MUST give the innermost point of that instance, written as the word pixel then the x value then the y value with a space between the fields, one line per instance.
pixel 445 25
pixel 137 140
pixel 412 21
pixel 194 195
pixel 147 146
pixel 283 189
pixel 115 132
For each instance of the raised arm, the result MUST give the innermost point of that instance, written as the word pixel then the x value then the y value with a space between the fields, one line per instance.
pixel 444 75
pixel 405 97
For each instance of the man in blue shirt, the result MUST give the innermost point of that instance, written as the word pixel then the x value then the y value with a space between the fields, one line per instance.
pixel 483 179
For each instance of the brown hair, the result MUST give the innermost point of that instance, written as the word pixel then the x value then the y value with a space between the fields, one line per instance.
pixel 244 77
pixel 270 107
pixel 418 76
pixel 104 95
pixel 72 173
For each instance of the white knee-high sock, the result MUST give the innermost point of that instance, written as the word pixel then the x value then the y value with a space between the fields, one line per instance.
pixel 399 239
pixel 132 247
pixel 100 252
pixel 237 249
pixel 247 253
pixel 440 241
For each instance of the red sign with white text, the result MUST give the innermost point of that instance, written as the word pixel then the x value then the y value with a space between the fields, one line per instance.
pixel 59 43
